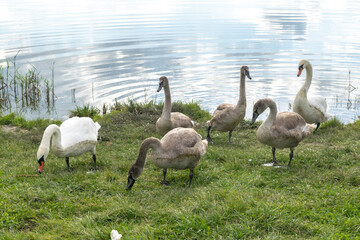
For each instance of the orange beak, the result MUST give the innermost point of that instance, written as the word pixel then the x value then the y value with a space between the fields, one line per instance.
pixel 41 166
pixel 300 70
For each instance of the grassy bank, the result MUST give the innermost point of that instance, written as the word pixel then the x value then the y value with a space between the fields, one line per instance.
pixel 232 195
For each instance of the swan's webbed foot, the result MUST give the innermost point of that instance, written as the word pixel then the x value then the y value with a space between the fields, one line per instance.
pixel 164 181
pixel 68 165
pixel 273 163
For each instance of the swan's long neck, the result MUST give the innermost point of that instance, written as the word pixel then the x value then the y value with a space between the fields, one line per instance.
pixel 272 116
pixel 242 94
pixel 52 131
pixel 309 74
pixel 167 105
pixel 148 143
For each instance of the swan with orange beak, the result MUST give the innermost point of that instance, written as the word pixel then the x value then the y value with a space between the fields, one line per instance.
pixel 312 108
pixel 74 137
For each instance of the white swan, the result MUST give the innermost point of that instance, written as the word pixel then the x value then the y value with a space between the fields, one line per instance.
pixel 180 148
pixel 170 120
pixel 280 130
pixel 74 137
pixel 227 116
pixel 312 109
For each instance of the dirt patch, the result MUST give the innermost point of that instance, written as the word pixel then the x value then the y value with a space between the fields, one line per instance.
pixel 13 129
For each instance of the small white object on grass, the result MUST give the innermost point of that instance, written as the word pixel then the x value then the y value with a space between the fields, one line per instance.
pixel 115 235
pixel 271 164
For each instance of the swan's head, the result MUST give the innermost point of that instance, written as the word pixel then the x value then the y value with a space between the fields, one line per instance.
pixel 259 107
pixel 302 64
pixel 134 172
pixel 163 81
pixel 245 71
pixel 42 154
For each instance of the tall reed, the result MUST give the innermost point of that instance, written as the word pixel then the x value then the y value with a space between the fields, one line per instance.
pixel 25 90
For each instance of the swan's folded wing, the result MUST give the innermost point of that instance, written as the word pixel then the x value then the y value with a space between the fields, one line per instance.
pixel 182 141
pixel 223 107
pixel 319 103
pixel 75 130
pixel 180 120
pixel 281 132
pixel 288 124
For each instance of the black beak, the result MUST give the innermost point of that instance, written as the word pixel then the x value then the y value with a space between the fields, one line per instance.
pixel 247 74
pixel 161 84
pixel 301 68
pixel 130 183
pixel 255 116
pixel 41 162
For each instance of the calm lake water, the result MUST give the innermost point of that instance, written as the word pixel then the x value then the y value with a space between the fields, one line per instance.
pixel 117 50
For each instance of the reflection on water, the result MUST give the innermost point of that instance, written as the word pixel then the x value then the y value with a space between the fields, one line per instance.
pixel 115 50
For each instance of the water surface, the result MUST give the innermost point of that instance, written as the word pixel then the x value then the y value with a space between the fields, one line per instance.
pixel 117 50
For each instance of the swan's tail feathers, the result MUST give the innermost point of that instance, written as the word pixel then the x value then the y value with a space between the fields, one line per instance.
pixel 195 124
pixel 308 129
pixel 328 116
pixel 205 145
pixel 97 126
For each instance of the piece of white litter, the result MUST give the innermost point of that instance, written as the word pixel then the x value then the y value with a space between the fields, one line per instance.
pixel 272 165
pixel 277 166
pixel 268 164
pixel 250 160
pixel 115 235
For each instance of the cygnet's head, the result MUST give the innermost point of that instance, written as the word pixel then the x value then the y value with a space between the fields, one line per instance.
pixel 245 71
pixel 134 172
pixel 163 81
pixel 259 107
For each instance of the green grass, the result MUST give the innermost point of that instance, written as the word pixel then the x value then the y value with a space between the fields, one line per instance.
pixel 191 109
pixel 13 119
pixel 232 195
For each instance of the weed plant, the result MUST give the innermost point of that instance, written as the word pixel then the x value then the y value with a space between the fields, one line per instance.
pixel 24 90
pixel 85 111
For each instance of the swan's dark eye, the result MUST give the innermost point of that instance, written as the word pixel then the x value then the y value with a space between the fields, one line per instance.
pixel 41 159
pixel 301 66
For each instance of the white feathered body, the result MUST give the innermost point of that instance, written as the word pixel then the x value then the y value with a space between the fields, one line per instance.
pixel 74 137
pixel 312 109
